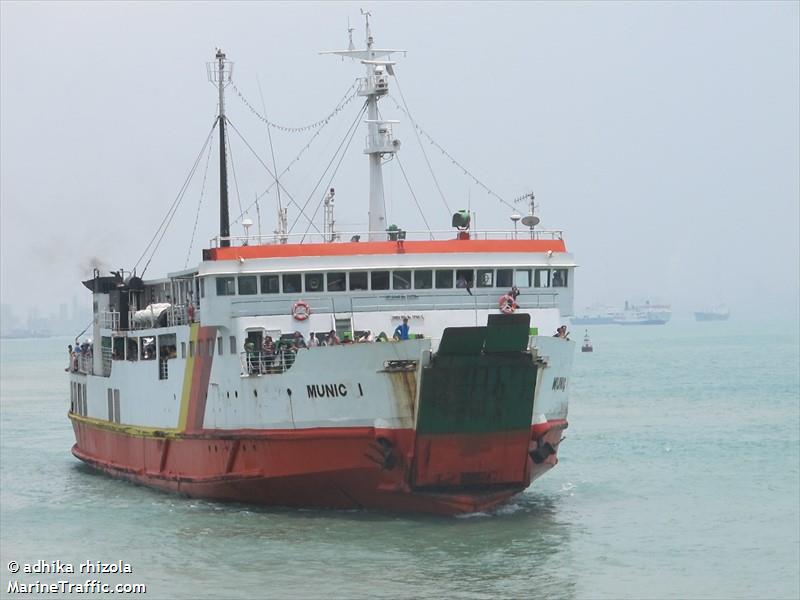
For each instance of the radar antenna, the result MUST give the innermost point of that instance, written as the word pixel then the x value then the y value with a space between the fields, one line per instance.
pixel 530 220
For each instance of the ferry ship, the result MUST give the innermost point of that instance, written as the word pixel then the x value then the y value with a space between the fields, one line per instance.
pixel 644 314
pixel 597 314
pixel 383 369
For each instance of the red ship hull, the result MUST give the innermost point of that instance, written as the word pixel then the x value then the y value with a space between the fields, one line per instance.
pixel 341 468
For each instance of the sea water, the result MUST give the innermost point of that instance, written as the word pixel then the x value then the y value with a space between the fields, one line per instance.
pixel 679 478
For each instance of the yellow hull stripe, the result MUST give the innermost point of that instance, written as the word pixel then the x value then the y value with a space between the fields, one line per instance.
pixel 134 430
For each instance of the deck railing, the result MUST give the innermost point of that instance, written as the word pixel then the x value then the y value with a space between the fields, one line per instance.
pixel 266 363
pixel 523 233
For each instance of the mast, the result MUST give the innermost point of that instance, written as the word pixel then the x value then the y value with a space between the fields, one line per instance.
pixel 220 73
pixel 380 139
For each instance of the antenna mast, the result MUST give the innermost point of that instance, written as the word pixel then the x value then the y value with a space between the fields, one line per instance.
pixel 219 73
pixel 380 139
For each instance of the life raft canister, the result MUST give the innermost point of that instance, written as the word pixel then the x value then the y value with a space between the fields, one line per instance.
pixel 507 304
pixel 301 310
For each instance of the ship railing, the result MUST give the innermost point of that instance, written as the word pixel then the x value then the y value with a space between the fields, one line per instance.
pixel 178 314
pixel 412 302
pixel 398 235
pixel 266 363
pixel 108 320
pixel 394 301
pixel 106 356
pixel 86 363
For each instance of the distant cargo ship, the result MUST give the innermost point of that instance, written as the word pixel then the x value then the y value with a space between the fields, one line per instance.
pixel 718 313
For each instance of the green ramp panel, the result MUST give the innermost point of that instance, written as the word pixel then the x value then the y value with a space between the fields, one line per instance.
pixel 462 341
pixel 476 393
pixel 507 333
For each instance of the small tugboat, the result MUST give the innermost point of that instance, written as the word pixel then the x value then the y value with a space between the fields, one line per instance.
pixel 587 343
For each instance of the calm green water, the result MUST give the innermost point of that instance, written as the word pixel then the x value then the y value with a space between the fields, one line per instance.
pixel 679 478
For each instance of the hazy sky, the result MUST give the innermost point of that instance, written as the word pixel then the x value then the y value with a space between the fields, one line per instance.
pixel 663 138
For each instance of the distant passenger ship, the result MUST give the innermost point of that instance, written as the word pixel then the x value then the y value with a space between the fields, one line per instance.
pixel 597 314
pixel 644 314
pixel 717 313
pixel 632 314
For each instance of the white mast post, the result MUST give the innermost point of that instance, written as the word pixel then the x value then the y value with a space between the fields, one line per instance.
pixel 380 140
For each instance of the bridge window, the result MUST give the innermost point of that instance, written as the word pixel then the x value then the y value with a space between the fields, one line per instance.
pixel 270 284
pixel 380 280
pixel 148 348
pixel 560 278
pixel 542 278
pixel 133 349
pixel 167 346
pixel 358 281
pixel 444 278
pixel 291 283
pixel 423 280
pixel 401 280
pixel 314 282
pixel 191 349
pixel 226 286
pixel 485 278
pixel 337 282
pixel 522 278
pixel 505 278
pixel 248 285
pixel 465 278
pixel 118 350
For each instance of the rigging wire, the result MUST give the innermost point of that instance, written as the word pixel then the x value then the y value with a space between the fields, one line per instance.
pixel 199 205
pixel 351 131
pixel 341 157
pixel 268 171
pixel 349 95
pixel 414 196
pixel 447 154
pixel 285 170
pixel 271 148
pixel 422 147
pixel 173 207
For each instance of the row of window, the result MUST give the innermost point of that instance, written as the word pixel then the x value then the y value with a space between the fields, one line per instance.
pixel 165 348
pixel 355 281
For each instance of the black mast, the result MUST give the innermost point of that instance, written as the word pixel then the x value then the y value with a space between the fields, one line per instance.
pixel 223 76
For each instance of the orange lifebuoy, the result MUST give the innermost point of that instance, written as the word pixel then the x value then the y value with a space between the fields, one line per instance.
pixel 301 310
pixel 507 304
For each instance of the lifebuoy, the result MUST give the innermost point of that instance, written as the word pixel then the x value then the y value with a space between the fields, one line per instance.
pixel 301 310
pixel 507 304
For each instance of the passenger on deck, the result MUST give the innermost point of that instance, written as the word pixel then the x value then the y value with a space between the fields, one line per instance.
pixel 562 333
pixel 333 339
pixel 313 342
pixel 268 353
pixel 401 331
pixel 366 337
pixel 299 342
pixel 69 357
